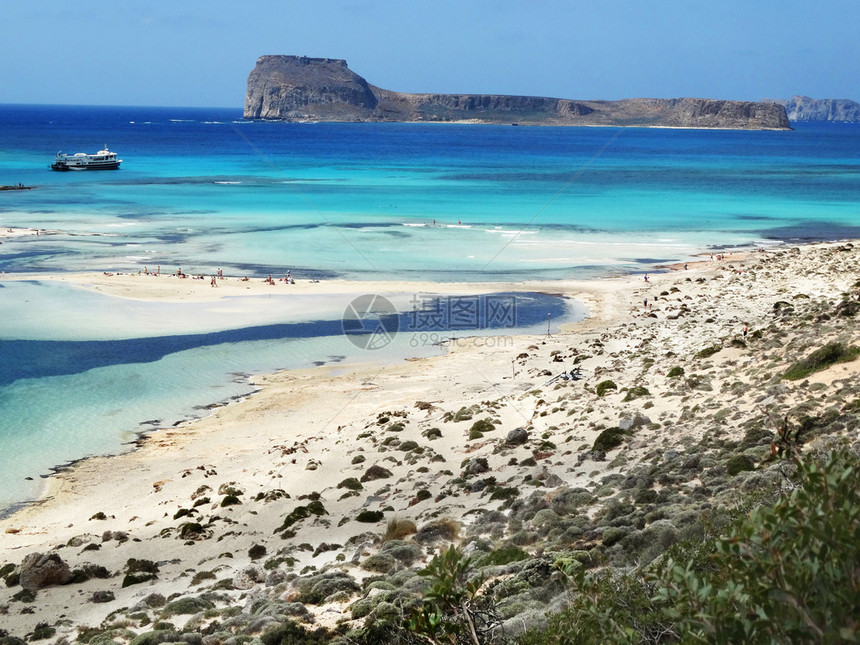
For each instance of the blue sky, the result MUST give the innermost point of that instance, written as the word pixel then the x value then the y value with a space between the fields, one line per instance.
pixel 199 53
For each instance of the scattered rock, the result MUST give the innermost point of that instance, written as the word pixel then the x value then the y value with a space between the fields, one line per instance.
pixel 517 437
pixel 248 578
pixel 476 466
pixel 636 421
pixel 40 570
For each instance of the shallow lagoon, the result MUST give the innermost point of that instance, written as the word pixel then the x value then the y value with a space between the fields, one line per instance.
pixel 202 189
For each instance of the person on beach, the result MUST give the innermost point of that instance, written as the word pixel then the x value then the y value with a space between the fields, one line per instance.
pixel 213 282
pixel 646 277
pixel 745 331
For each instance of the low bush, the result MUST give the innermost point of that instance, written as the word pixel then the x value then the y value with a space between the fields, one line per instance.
pixel 504 555
pixel 821 359
pixel 635 392
pixel 604 386
pixel 707 352
pixel 369 517
pixel 609 439
pixel 432 433
pixel 374 473
pixel 767 572
pixel 300 513
pixel 398 529
pixel 738 464
pixel 350 483
pixel 480 427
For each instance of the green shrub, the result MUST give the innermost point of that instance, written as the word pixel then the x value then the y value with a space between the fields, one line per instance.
pixel 300 513
pixel 463 414
pixel 645 496
pixel 738 464
pixel 635 392
pixel 707 352
pixel 291 633
pixel 449 608
pixel 200 577
pixel 257 551
pixel 190 530
pixel 42 631
pixel 350 483
pixel 604 386
pixel 133 565
pixel 369 517
pixel 613 534
pixel 423 494
pixel 137 578
pixel 783 572
pixel 504 555
pixel 186 606
pixel 25 596
pixel 432 433
pixel 675 372
pixel 609 439
pixel 374 473
pixel 480 427
pixel 821 359
pixel 380 563
pixel 505 493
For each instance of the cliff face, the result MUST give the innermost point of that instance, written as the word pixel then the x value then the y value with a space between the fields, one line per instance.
pixel 295 88
pixel 803 108
pixel 284 87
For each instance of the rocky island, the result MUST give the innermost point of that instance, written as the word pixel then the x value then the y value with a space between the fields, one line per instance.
pixel 297 88
pixel 804 108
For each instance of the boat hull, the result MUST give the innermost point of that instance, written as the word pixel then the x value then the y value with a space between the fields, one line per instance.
pixel 105 166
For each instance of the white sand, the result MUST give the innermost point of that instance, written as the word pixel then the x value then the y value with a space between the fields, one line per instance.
pixel 303 429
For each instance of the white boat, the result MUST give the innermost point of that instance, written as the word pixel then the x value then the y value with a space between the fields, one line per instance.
pixel 102 160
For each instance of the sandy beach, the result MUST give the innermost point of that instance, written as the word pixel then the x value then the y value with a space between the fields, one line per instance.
pixel 204 499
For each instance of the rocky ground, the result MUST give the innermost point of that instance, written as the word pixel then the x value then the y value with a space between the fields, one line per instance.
pixel 316 502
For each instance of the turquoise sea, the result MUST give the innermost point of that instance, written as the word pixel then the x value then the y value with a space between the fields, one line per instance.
pixel 201 189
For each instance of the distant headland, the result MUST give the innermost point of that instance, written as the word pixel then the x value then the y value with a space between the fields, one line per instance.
pixel 803 108
pixel 297 88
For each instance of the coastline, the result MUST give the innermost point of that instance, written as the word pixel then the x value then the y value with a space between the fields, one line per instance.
pixel 302 430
